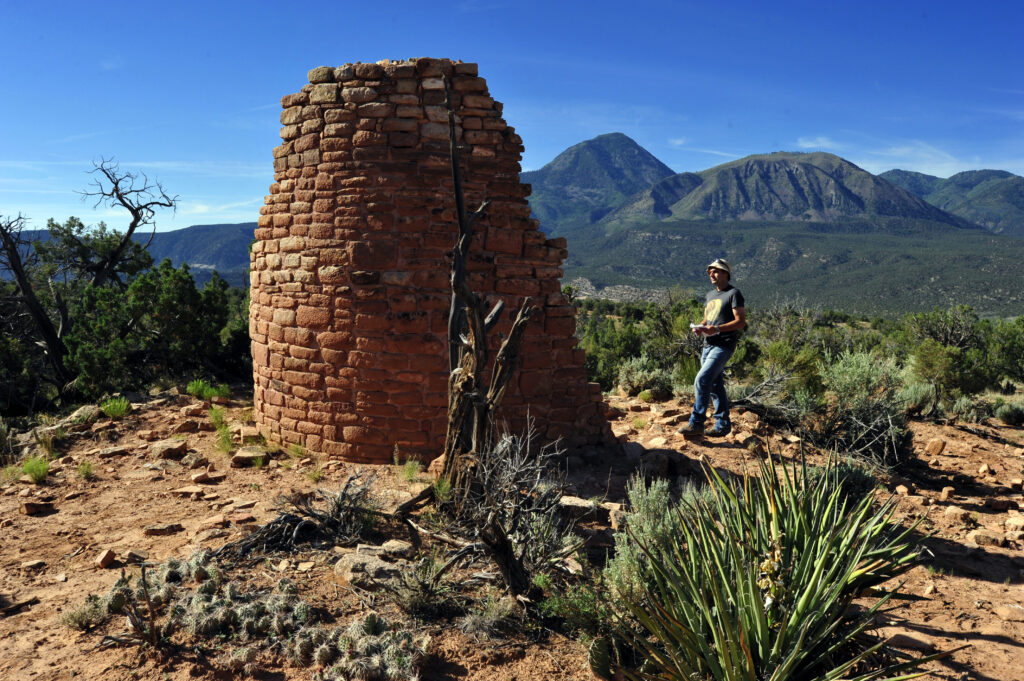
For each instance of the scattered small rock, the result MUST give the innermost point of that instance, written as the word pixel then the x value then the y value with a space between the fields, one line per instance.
pixel 201 476
pixel 136 556
pixel 110 452
pixel 1014 523
pixel 397 547
pixel 188 491
pixel 36 507
pixel 985 469
pixel 218 520
pixel 986 538
pixel 248 456
pixel 241 518
pixel 33 564
pixel 162 529
pixel 1009 613
pixel 935 447
pixel 169 449
pixel 305 566
pixel 957 514
pixel 946 493
pixel 105 558
pixel 902 490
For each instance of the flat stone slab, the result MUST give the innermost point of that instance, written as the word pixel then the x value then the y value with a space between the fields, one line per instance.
pixel 169 449
pixel 188 491
pixel 163 529
pixel 248 456
pixel 37 507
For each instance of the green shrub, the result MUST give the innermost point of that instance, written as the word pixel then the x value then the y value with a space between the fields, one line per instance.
pixel 642 373
pixel 36 468
pixel 756 582
pixel 1011 414
pixel 85 470
pixel 867 416
pixel 683 375
pixel 650 524
pixel 201 388
pixel 115 407
pixel 410 470
pixel 217 417
pixel 581 609
pixel 87 616
pixel 970 409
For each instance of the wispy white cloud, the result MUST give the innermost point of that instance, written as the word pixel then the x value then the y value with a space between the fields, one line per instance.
pixel 714 152
pixel 677 141
pixel 189 208
pixel 819 142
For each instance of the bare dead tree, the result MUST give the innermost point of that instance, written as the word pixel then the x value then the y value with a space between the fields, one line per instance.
pixel 138 195
pixel 471 403
pixel 15 256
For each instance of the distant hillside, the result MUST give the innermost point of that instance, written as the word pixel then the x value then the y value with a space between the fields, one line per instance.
pixel 586 181
pixel 993 199
pixel 811 225
pixel 816 187
pixel 224 248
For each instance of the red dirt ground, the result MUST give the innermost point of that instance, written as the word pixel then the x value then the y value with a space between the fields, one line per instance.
pixel 971 588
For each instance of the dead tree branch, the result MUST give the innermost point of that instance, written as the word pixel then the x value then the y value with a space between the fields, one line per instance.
pixel 134 192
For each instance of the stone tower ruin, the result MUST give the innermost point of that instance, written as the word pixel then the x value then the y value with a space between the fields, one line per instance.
pixel 350 268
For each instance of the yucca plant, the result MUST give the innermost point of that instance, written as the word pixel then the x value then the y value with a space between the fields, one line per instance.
pixel 758 580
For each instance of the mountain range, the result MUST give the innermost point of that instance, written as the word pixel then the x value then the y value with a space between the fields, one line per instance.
pixel 807 226
pixel 811 226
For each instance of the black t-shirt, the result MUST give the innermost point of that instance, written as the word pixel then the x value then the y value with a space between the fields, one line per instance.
pixel 718 310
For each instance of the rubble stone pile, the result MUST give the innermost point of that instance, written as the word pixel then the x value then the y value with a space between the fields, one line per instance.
pixel 350 268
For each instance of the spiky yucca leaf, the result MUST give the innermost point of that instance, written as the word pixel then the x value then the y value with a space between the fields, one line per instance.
pixel 757 582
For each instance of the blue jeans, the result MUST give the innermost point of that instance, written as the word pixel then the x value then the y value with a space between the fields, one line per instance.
pixel 710 382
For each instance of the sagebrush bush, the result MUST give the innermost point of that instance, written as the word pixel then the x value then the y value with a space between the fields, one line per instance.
pixel 867 415
pixel 970 409
pixel 1011 414
pixel 650 524
pixel 643 373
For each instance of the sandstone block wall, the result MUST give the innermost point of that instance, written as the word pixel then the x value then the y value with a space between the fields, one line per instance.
pixel 349 278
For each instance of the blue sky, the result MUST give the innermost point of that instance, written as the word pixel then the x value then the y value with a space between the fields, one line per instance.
pixel 189 92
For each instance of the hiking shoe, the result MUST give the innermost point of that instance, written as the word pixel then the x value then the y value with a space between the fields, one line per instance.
pixel 720 430
pixel 691 428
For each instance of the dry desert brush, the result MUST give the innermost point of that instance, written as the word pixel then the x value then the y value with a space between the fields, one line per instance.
pixel 757 583
pixel 322 520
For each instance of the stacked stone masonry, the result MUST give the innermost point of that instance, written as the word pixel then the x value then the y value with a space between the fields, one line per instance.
pixel 350 269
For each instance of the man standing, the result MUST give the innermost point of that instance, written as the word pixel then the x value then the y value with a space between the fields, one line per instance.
pixel 724 316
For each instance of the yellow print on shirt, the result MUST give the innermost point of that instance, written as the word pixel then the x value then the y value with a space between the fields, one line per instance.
pixel 711 310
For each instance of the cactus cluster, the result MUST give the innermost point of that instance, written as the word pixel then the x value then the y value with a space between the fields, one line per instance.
pixel 369 648
pixel 247 616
